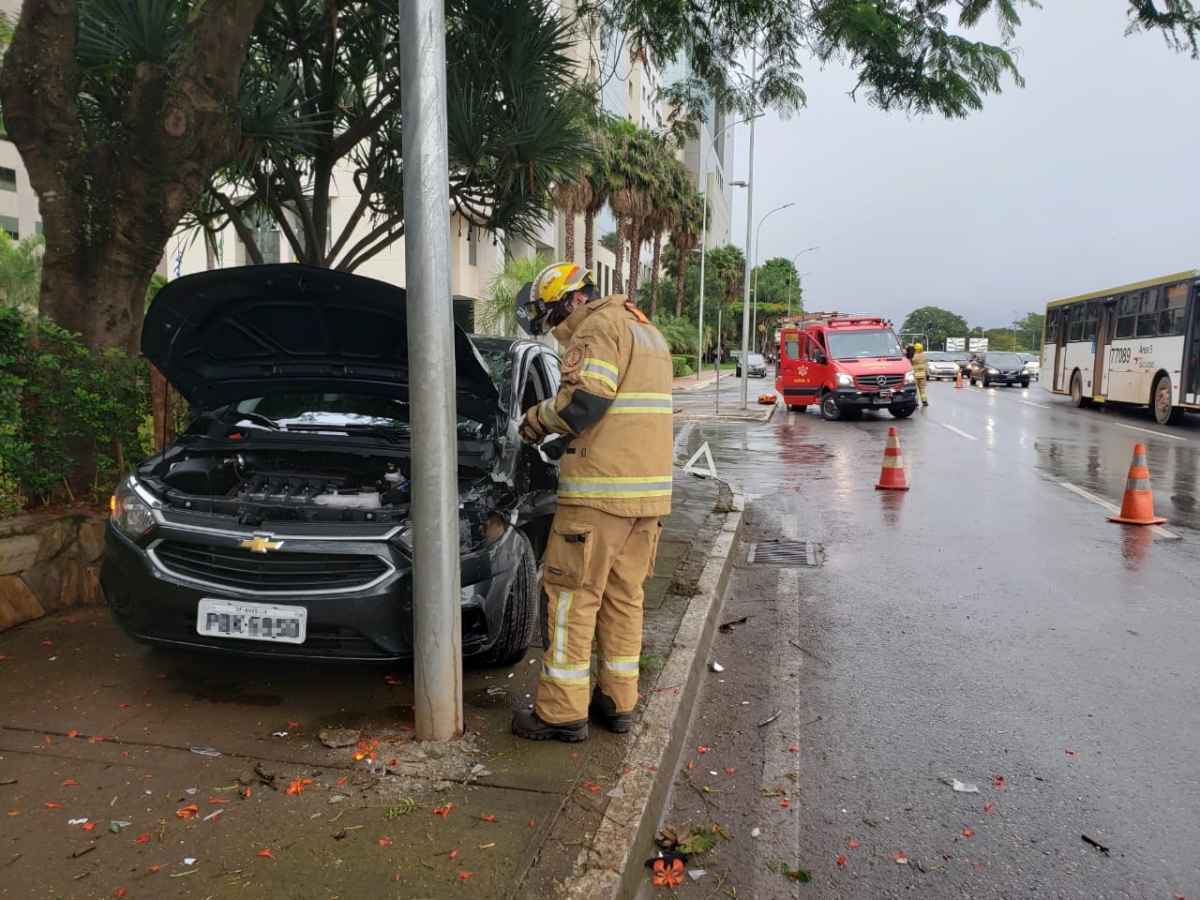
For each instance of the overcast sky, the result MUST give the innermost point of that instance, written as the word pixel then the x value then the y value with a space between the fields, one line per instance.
pixel 1087 178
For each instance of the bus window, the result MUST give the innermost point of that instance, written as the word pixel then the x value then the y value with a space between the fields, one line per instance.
pixel 1075 318
pixel 1052 326
pixel 1091 320
pixel 1172 304
pixel 1147 320
pixel 1127 316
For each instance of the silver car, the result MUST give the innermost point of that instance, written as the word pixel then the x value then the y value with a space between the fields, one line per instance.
pixel 939 365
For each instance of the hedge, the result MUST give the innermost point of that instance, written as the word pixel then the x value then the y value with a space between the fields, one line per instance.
pixel 56 398
pixel 680 366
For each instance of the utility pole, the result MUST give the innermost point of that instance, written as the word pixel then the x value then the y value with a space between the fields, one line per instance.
pixel 749 228
pixel 757 243
pixel 437 615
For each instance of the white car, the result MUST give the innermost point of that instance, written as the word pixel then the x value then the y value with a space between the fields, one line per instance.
pixel 940 365
pixel 1033 365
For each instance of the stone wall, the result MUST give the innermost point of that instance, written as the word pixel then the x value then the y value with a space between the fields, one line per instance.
pixel 48 562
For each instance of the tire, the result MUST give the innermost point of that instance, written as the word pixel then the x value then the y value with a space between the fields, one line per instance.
pixel 1025 384
pixel 830 411
pixel 520 613
pixel 852 415
pixel 1077 397
pixel 972 381
pixel 986 384
pixel 1160 402
pixel 903 413
pixel 737 373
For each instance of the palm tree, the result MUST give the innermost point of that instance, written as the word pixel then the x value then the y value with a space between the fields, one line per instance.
pixel 572 196
pixel 674 189
pixel 598 188
pixel 685 237
pixel 497 313
pixel 629 157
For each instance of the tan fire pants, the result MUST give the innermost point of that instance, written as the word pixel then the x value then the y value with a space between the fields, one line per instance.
pixel 594 568
pixel 921 395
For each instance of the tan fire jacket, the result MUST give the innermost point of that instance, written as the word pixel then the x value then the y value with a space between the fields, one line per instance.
pixel 615 402
pixel 918 363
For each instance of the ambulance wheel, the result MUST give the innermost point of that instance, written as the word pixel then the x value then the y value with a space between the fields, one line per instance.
pixel 520 612
pixel 903 412
pixel 830 411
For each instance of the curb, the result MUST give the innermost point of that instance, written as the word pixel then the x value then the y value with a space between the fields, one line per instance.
pixel 611 866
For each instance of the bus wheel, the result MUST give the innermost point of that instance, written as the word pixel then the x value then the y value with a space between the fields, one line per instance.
pixel 830 409
pixel 1077 391
pixel 1164 412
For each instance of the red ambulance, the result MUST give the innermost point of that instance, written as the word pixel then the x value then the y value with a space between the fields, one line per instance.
pixel 844 364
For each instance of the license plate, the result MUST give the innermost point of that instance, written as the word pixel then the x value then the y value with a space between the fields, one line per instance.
pixel 884 397
pixel 251 621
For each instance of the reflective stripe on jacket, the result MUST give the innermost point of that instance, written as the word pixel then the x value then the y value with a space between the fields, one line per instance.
pixel 918 364
pixel 615 400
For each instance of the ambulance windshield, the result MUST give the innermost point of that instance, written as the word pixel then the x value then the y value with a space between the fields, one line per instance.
pixel 862 344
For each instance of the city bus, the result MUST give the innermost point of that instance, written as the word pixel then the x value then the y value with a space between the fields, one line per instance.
pixel 1138 343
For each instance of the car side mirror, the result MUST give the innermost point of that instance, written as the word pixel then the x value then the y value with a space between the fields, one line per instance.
pixel 819 358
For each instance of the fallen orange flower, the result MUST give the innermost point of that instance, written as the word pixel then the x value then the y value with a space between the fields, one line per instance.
pixel 488 818
pixel 72 733
pixel 217 801
pixel 50 804
pixel 297 786
pixel 89 826
pixel 246 792
pixel 841 859
pixel 265 853
pixel 702 749
pixel 443 811
pixel 998 782
pixel 345 779
pixel 186 812
pixel 155 869
pixel 464 875
pixel 665 876
pixel 729 770
pixel 532 824
pixel 454 853
pixel 143 838
pixel 968 833
pixel 785 803
pixel 70 782
pixel 853 843
pixel 989 807
pixel 119 892
pixel 385 841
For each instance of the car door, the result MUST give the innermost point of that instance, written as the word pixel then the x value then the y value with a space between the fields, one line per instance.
pixel 820 366
pixel 540 472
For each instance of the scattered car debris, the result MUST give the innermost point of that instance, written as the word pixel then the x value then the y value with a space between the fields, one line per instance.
pixel 338 738
pixel 771 718
pixel 755 832
pixel 715 666
pixel 727 627
pixel 696 874
pixel 1092 842
pixel 962 787
pixel 206 751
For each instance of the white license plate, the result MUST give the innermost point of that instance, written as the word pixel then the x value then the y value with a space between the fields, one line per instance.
pixel 884 397
pixel 251 621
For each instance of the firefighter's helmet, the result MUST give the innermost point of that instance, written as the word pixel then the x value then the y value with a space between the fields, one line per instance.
pixel 536 300
pixel 919 347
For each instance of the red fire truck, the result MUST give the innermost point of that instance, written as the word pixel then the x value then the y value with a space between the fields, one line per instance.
pixel 844 364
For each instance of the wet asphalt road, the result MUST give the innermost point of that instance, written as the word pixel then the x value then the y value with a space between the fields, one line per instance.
pixel 989 625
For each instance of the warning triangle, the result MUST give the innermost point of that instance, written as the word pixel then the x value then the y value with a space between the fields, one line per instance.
pixel 691 467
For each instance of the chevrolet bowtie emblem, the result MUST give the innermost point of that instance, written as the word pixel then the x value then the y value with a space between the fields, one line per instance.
pixel 260 543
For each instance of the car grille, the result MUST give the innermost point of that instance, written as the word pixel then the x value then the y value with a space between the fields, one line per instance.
pixel 237 568
pixel 871 382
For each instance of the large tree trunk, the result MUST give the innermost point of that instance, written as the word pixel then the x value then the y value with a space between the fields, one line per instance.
pixel 619 259
pixel 654 274
pixel 108 208
pixel 589 245
pixel 681 261
pixel 635 258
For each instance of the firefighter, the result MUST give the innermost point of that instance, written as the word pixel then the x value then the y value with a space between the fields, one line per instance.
pixel 920 371
pixel 614 408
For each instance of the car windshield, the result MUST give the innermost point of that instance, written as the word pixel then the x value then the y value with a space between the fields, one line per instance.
pixel 317 411
pixel 1004 360
pixel 756 359
pixel 860 344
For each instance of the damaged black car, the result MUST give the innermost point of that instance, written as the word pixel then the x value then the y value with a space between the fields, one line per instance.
pixel 278 523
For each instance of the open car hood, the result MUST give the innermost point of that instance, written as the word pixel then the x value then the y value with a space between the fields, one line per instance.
pixel 229 334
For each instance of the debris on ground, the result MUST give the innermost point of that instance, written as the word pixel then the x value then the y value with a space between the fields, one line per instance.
pixel 755 832
pixel 727 627
pixel 667 874
pixel 339 738
pixel 696 874
pixel 206 751
pixel 1092 842
pixel 715 666
pixel 771 718
pixel 962 787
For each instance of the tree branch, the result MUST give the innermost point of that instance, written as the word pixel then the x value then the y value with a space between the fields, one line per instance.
pixel 352 264
pixel 379 231
pixel 234 214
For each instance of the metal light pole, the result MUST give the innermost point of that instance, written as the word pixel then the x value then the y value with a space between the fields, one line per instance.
pixel 703 179
pixel 757 239
pixel 799 282
pixel 794 257
pixel 437 616
pixel 749 226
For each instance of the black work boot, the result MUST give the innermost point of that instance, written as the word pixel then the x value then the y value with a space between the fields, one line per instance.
pixel 527 724
pixel 604 710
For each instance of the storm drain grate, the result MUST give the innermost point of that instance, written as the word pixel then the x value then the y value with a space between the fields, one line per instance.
pixel 786 553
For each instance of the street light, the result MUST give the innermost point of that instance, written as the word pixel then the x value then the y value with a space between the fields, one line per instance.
pixel 703 176
pixel 794 257
pixel 719 358
pixel 800 279
pixel 757 239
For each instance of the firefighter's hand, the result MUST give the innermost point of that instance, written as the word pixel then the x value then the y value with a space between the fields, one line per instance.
pixel 532 430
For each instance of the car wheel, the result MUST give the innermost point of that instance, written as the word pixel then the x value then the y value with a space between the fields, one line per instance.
pixel 1025 384
pixel 737 373
pixel 830 411
pixel 986 384
pixel 903 412
pixel 520 612
pixel 972 381
pixel 1077 391
pixel 1164 412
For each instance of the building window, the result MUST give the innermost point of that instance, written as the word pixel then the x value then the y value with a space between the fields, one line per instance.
pixel 8 179
pixel 12 226
pixel 472 246
pixel 266 237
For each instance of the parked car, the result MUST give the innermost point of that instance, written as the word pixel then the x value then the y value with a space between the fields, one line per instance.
pixel 939 365
pixel 278 524
pixel 998 367
pixel 756 366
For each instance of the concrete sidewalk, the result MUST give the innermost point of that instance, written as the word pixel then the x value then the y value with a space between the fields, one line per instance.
pixel 206 777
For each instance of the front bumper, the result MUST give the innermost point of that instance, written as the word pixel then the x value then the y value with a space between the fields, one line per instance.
pixel 157 605
pixel 853 398
pixel 942 373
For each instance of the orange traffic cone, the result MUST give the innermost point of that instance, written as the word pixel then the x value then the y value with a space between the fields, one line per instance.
pixel 958 379
pixel 892 477
pixel 1137 506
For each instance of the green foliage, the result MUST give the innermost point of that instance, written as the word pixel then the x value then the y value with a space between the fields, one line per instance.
pixel 57 396
pixel 680 334
pixel 936 324
pixel 777 281
pixel 21 272
pixel 497 313
pixel 608 241
pixel 681 366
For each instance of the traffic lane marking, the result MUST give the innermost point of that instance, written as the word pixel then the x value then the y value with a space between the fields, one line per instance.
pixel 959 432
pixel 1174 437
pixel 1113 508
pixel 1038 405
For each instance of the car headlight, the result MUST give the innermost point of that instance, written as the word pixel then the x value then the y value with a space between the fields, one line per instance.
pixel 910 376
pixel 993 371
pixel 844 380
pixel 130 514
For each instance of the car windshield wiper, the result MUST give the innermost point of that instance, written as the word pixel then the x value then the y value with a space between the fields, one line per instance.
pixel 383 431
pixel 266 421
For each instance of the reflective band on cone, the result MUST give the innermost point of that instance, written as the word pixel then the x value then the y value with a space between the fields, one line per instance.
pixel 892 477
pixel 1137 506
pixel 958 379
